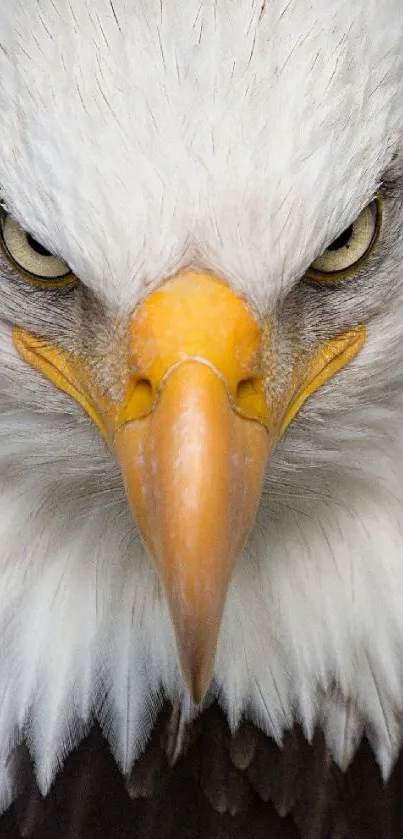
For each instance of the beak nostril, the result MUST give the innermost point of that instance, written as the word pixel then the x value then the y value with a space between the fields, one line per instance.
pixel 250 398
pixel 142 396
pixel 145 385
pixel 245 389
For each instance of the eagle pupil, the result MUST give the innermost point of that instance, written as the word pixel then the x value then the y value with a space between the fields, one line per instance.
pixel 37 247
pixel 342 240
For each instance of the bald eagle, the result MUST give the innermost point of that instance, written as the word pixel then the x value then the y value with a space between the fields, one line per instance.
pixel 201 405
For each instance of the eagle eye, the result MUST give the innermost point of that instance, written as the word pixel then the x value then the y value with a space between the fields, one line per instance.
pixel 31 259
pixel 346 254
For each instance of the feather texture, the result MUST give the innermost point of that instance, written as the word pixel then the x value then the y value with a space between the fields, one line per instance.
pixel 222 787
pixel 135 139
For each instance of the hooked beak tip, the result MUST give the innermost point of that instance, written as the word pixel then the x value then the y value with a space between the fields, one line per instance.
pixel 197 634
pixel 198 680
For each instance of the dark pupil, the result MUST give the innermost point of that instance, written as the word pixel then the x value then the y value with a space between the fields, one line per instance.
pixel 37 247
pixel 342 240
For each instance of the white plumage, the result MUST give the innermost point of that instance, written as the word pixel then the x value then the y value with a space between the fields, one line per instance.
pixel 241 137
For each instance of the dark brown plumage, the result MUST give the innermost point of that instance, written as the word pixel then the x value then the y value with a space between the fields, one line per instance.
pixel 223 787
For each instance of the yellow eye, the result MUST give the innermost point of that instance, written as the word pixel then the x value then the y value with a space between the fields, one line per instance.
pixel 350 250
pixel 30 258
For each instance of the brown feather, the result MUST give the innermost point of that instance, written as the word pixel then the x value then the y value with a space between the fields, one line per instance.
pixel 220 787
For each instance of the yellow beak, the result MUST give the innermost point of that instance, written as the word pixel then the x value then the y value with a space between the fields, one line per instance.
pixel 193 472
pixel 192 434
pixel 193 466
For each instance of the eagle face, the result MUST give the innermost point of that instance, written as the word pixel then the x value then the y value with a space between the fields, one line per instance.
pixel 200 303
